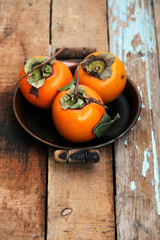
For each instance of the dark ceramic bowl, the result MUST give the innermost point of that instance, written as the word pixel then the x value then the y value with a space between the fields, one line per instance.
pixel 38 122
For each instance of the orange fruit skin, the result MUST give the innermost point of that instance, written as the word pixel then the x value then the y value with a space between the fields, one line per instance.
pixel 110 88
pixel 76 125
pixel 61 76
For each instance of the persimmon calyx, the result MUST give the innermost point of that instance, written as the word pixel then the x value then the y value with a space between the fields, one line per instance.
pixel 104 124
pixel 69 85
pixel 81 96
pixel 38 76
pixel 69 100
pixel 99 66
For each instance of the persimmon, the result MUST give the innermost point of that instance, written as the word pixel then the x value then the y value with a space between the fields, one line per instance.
pixel 105 73
pixel 76 116
pixel 41 86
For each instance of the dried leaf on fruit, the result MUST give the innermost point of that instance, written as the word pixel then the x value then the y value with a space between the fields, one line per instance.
pixel 69 85
pixel 38 76
pixel 69 100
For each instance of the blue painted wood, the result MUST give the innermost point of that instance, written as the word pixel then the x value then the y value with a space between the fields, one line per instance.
pixel 131 21
pixel 132 38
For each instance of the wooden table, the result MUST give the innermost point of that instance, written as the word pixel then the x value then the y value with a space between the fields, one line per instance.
pixel 117 198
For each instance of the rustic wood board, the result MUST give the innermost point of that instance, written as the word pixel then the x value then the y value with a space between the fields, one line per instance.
pixel 80 197
pixel 132 38
pixel 156 5
pixel 24 33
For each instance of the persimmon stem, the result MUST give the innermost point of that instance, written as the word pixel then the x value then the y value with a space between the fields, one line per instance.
pixel 90 99
pixel 77 81
pixel 42 64
pixel 75 92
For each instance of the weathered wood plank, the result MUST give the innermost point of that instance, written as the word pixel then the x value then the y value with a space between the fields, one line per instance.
pixel 132 39
pixel 156 5
pixel 78 24
pixel 85 192
pixel 24 33
pixel 80 197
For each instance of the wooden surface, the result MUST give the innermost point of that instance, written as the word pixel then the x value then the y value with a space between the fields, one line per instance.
pixel 86 193
pixel 22 159
pixel 136 155
pixel 75 187
pixel 156 7
pixel 41 199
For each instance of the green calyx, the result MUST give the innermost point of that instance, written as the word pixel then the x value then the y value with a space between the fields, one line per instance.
pixel 38 76
pixel 99 66
pixel 69 100
pixel 105 123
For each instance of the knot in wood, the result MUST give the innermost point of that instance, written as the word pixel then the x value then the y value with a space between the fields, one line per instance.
pixel 66 212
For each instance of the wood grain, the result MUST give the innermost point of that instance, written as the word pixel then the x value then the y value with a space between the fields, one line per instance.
pixel 77 24
pixel 133 40
pixel 80 197
pixel 156 5
pixel 24 33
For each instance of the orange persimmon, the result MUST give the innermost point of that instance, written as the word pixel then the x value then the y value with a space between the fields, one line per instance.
pixel 110 87
pixel 55 76
pixel 76 125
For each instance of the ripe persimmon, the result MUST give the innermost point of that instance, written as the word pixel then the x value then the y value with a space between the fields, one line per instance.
pixel 79 114
pixel 41 86
pixel 76 125
pixel 105 73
